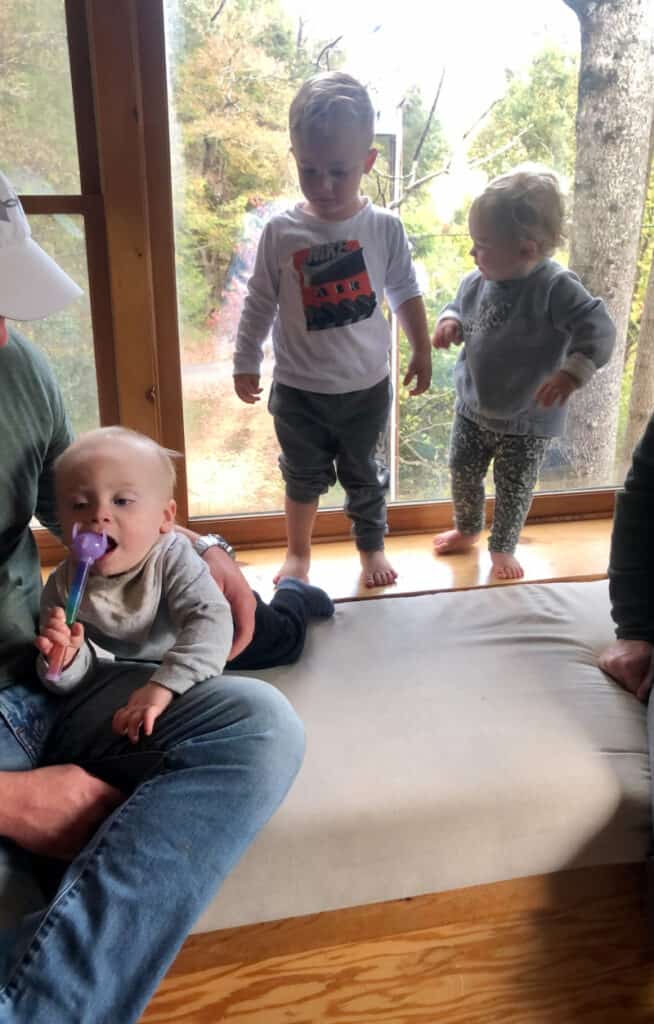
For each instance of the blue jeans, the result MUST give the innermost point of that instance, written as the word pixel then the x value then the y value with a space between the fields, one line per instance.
pixel 220 761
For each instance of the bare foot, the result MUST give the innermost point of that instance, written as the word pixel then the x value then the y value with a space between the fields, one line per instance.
pixel 377 570
pixel 58 809
pixel 296 566
pixel 505 566
pixel 451 542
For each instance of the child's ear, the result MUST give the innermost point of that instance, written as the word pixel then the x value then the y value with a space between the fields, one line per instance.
pixel 168 517
pixel 370 160
pixel 529 249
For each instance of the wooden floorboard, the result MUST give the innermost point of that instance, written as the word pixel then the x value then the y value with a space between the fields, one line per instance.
pixel 583 959
pixel 576 550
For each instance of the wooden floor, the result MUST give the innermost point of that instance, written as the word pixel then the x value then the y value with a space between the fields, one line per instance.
pixel 563 551
pixel 570 948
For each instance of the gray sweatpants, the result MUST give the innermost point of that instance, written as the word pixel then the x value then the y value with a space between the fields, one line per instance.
pixel 516 458
pixel 328 437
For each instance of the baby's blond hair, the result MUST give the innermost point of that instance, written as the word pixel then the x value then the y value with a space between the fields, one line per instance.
pixel 525 204
pixel 327 101
pixel 164 456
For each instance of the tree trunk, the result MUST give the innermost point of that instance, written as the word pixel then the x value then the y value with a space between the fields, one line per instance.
pixel 614 114
pixel 641 403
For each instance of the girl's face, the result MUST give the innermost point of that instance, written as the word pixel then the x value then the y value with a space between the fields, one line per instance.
pixel 499 258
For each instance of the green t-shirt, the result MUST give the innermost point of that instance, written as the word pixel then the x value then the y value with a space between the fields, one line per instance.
pixel 34 430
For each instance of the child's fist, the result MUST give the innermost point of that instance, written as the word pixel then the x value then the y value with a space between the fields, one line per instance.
pixel 142 710
pixel 55 633
pixel 247 387
pixel 556 389
pixel 448 332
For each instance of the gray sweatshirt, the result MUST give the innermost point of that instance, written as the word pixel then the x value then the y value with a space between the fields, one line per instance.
pixel 166 609
pixel 518 333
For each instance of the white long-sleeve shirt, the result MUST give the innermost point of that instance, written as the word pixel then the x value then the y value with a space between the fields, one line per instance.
pixel 320 286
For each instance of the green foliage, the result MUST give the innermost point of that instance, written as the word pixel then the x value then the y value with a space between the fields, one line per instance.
pixel 537 111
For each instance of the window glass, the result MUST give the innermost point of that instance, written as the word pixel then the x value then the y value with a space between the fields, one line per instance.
pixel 39 145
pixel 508 95
pixel 66 337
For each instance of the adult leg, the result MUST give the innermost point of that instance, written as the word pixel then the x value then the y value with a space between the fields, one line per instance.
pixel 515 470
pixel 280 627
pixel 471 450
pixel 20 890
pixel 221 759
pixel 362 420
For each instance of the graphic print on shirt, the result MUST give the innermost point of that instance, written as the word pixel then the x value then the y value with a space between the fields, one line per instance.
pixel 489 316
pixel 336 289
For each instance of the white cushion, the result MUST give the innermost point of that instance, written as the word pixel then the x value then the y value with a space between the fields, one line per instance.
pixel 452 739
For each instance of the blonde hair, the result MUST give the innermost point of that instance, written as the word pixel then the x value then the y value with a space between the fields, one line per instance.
pixel 164 456
pixel 525 204
pixel 328 100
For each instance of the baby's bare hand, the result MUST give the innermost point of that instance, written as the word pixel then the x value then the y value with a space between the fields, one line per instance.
pixel 56 633
pixel 556 389
pixel 247 387
pixel 448 332
pixel 141 711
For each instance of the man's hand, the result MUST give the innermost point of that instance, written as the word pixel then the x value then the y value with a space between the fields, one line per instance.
pixel 247 386
pixel 141 711
pixel 448 332
pixel 238 592
pixel 556 389
pixel 420 368
pixel 54 811
pixel 629 663
pixel 57 633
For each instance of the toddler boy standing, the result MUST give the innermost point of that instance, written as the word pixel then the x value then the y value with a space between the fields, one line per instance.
pixel 321 272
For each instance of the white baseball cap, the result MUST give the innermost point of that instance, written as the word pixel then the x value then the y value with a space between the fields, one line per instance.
pixel 31 284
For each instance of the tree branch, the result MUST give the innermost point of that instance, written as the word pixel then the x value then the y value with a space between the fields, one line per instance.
pixel 218 12
pixel 446 169
pixel 578 6
pixel 425 130
pixel 326 49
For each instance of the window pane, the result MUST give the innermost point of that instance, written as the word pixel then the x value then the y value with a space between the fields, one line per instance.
pixel 233 70
pixel 39 146
pixel 66 337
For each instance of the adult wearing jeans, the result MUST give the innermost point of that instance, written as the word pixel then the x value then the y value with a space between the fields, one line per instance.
pixel 144 835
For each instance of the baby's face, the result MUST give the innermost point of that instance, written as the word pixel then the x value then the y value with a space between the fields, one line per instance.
pixel 330 171
pixel 498 258
pixel 117 487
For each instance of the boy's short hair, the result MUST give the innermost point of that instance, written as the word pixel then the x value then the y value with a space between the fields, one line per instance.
pixel 328 100
pixel 526 203
pixel 165 456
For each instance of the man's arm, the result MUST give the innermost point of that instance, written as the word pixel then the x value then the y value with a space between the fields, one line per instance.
pixel 631 573
pixel 236 589
pixel 54 811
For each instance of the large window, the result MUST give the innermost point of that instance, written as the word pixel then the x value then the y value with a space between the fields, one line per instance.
pixel 149 144
pixel 40 156
pixel 506 97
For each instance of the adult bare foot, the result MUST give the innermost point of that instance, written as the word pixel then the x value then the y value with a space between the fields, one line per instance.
pixel 377 571
pixel 505 566
pixel 54 811
pixel 451 542
pixel 296 566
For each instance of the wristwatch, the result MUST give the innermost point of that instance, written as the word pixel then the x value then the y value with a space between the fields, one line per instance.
pixel 213 540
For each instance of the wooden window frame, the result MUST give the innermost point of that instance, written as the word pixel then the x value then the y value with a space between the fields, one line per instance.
pixel 118 72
